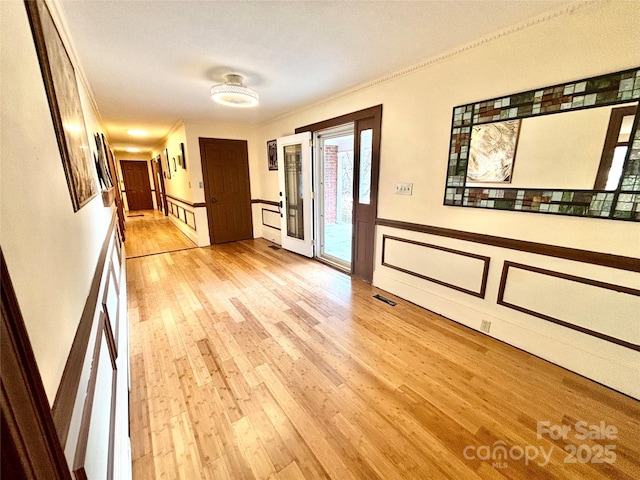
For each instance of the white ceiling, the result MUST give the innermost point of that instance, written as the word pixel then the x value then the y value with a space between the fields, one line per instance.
pixel 152 63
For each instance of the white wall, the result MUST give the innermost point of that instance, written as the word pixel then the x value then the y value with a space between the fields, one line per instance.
pixel 188 184
pixel 51 252
pixel 596 39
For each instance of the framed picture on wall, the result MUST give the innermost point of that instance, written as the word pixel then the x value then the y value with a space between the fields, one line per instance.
pixel 64 103
pixel 272 154
pixel 184 159
pixel 167 172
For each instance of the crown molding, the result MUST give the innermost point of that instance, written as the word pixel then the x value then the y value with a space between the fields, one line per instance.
pixel 480 41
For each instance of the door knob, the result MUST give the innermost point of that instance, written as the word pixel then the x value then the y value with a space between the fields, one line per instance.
pixel 213 200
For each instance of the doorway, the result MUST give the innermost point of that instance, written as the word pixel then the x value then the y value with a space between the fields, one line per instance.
pixel 366 127
pixel 135 175
pixel 225 170
pixel 334 186
pixel 158 181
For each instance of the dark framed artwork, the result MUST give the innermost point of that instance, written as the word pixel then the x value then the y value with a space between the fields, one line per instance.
pixel 184 159
pixel 167 172
pixel 64 103
pixel 272 154
pixel 101 162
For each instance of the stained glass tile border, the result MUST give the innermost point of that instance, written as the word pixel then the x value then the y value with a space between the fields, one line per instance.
pixel 615 88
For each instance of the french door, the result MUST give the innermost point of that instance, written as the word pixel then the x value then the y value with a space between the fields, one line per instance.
pixel 294 178
pixel 333 174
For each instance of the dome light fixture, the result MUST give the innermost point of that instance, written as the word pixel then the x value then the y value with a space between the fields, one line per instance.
pixel 233 93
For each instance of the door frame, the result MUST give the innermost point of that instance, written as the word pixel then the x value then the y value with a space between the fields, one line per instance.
pixel 30 444
pixel 363 246
pixel 126 187
pixel 319 188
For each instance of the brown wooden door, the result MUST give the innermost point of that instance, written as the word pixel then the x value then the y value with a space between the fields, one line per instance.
pixel 137 185
pixel 365 196
pixel 225 168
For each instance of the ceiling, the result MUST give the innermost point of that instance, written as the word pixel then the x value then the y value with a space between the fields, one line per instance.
pixel 152 63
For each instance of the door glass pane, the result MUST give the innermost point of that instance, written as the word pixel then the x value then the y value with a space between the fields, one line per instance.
pixel 337 196
pixel 293 190
pixel 366 142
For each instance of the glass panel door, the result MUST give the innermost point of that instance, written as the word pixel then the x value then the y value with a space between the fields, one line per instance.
pixel 335 155
pixel 293 191
pixel 294 178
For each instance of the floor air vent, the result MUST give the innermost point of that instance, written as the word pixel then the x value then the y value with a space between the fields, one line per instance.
pixel 275 247
pixel 385 300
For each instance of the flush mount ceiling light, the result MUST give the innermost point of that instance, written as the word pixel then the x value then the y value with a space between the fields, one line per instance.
pixel 137 133
pixel 234 94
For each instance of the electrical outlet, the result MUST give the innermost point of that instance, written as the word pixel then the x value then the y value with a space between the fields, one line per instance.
pixel 404 188
pixel 485 326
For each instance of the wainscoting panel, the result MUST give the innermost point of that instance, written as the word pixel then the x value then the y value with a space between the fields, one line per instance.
pixel 456 269
pixel 95 402
pixel 271 218
pixel 576 308
pixel 268 211
pixel 575 302
pixel 190 218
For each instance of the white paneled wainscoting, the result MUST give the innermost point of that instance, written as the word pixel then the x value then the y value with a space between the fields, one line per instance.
pixel 576 308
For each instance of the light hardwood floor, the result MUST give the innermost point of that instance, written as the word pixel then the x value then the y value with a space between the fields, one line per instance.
pixel 249 362
pixel 149 232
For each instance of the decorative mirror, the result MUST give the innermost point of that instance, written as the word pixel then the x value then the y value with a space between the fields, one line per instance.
pixel 570 149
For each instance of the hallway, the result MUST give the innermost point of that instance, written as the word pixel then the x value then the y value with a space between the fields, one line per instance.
pixel 150 232
pixel 248 362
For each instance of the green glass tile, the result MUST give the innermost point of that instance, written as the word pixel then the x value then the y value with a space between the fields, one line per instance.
pixel 621 214
pixel 628 95
pixel 580 87
pixel 626 84
pixel 567 196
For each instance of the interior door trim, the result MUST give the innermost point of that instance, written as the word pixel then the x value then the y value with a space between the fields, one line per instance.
pixel 361 269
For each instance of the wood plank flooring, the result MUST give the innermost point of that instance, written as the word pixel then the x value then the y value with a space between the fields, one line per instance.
pixel 149 232
pixel 253 363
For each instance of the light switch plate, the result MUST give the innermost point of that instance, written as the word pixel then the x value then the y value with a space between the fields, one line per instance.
pixel 404 188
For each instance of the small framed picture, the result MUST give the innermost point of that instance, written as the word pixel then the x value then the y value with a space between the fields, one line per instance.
pixel 166 156
pixel 184 159
pixel 272 154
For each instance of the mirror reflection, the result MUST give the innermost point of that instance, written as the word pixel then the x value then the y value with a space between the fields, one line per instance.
pixel 578 150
